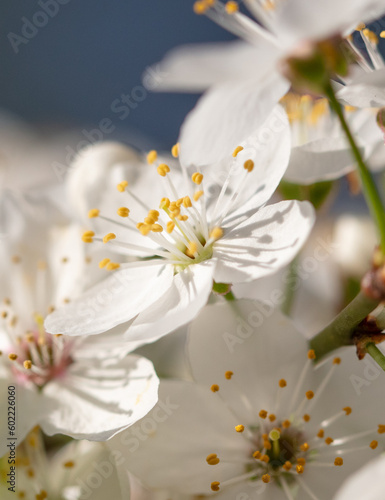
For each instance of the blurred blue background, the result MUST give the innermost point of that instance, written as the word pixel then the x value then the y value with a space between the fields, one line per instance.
pixel 90 53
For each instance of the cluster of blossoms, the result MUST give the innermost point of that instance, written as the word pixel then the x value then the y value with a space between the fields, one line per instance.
pixel 167 332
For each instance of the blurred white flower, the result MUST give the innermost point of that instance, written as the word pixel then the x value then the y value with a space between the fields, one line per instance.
pixel 243 75
pixel 183 231
pixel 80 470
pixel 82 388
pixel 261 420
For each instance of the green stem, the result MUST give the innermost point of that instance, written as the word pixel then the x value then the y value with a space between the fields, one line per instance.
pixel 376 354
pixel 338 332
pixel 371 193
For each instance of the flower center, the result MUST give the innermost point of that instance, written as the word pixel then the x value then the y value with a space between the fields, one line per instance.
pixel 177 230
pixel 283 448
pixel 39 357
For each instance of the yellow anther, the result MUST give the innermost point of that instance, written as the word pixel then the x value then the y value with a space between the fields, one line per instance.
pixel 216 233
pixel 175 150
pixel 170 226
pixel 263 414
pixel 347 410
pixel 149 220
pixel 381 429
pixel 336 361
pixel 265 436
pixel 267 445
pixel 174 213
pixel 306 417
pixel 88 236
pixel 215 486
pixel 214 388
pixel 4 314
pixel 156 228
pixel 212 459
pixel 197 178
pixel 30 473
pixel 12 356
pixel 321 433
pixel 237 150
pixel 350 109
pixel 111 266
pixel 183 217
pixel 122 186
pixel 360 27
pixel 248 165
pixel 300 469
pixel 197 195
pixel 382 34
pixel 329 440
pixel 232 7
pixel 179 202
pixel 257 455
pixel 309 395
pixel 154 214
pixel 143 228
pixel 287 465
pixel 373 444
pixel 123 212
pixel 94 212
pixel 228 375
pixel 187 202
pixel 69 465
pixel 152 156
pixel 304 447
pixel 108 237
pixel 282 383
pixel 272 417
pixel 16 259
pixel 311 354
pixel 104 262
pixel 265 458
pixel 301 461
pixel 338 461
pixel 286 424
pixel 239 428
pixel 164 203
pixel 163 169
pixel 192 248
pixel 27 364
pixel 371 36
pixel 266 478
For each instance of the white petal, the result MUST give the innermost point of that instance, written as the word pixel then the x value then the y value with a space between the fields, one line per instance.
pixel 113 301
pixel 178 304
pixel 94 172
pixel 321 160
pixel 263 243
pixel 367 90
pixel 196 67
pixel 29 410
pixel 366 483
pixel 95 403
pixel 269 148
pixel 254 341
pixel 225 116
pixel 299 20
pixel 168 448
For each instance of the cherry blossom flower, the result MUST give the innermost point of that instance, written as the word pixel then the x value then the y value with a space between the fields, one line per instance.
pixel 71 386
pixel 181 232
pixel 261 420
